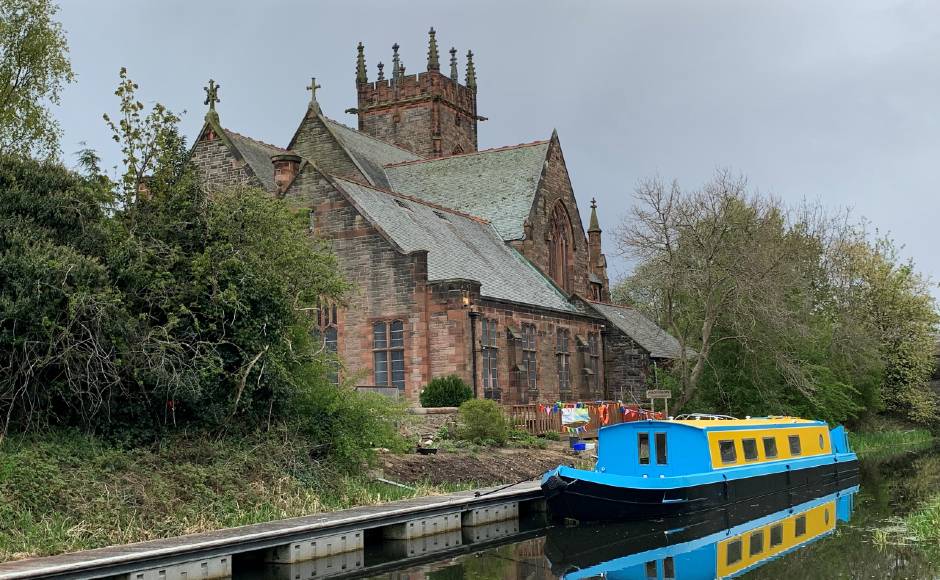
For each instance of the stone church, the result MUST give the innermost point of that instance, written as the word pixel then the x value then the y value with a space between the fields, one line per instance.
pixel 466 261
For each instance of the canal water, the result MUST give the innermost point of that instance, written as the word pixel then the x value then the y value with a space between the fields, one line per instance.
pixel 824 533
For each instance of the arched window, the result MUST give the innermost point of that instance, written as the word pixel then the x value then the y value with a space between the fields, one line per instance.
pixel 560 246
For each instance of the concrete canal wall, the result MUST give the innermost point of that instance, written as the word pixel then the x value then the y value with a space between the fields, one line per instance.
pixel 312 546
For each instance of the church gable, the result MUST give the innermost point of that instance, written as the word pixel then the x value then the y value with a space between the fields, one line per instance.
pixel 555 239
pixel 218 162
pixel 314 141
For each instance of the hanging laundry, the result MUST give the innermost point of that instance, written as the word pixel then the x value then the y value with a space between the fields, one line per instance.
pixel 571 416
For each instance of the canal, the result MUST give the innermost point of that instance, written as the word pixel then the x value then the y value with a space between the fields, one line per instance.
pixel 824 533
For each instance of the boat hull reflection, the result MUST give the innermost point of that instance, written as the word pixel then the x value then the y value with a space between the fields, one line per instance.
pixel 720 543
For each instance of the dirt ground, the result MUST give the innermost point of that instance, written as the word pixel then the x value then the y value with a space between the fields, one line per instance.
pixel 486 467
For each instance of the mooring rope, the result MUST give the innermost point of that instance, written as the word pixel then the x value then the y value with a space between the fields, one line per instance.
pixel 478 494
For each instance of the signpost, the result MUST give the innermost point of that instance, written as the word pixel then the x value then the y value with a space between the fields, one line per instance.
pixel 664 394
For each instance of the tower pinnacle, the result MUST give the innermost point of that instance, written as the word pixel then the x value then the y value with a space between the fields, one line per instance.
pixel 433 61
pixel 453 64
pixel 396 63
pixel 594 226
pixel 471 71
pixel 361 75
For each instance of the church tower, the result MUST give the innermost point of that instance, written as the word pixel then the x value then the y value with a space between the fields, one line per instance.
pixel 428 113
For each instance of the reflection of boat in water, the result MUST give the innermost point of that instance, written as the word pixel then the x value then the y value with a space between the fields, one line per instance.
pixel 721 543
pixel 649 469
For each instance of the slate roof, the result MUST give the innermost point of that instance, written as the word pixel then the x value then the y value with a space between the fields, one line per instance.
pixel 458 246
pixel 370 154
pixel 498 185
pixel 258 156
pixel 644 331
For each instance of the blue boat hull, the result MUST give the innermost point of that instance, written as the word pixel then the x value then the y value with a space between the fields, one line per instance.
pixel 594 501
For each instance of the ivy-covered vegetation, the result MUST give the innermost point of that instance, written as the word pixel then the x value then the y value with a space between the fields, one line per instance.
pixel 787 310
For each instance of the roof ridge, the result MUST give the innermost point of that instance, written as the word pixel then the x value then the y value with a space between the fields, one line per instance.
pixel 491 150
pixel 611 304
pixel 415 200
pixel 258 141
pixel 371 137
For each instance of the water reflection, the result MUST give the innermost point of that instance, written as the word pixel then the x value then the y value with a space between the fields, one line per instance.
pixel 797 535
pixel 715 544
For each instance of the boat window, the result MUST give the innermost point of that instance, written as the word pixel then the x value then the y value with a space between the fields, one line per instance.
pixel 749 447
pixel 660 449
pixel 800 525
pixel 728 452
pixel 651 573
pixel 734 552
pixel 669 569
pixel 776 535
pixel 822 443
pixel 643 445
pixel 770 447
pixel 757 543
pixel 826 516
pixel 795 445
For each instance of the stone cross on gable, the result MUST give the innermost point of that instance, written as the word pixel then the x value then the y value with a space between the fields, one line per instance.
pixel 212 94
pixel 312 87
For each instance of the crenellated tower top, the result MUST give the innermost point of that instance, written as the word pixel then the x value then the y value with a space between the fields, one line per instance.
pixel 429 113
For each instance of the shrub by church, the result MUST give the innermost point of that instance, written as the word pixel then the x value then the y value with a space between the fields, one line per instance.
pixel 463 261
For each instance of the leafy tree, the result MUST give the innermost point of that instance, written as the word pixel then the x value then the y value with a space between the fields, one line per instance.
pixel 145 139
pixel 177 309
pixel 790 311
pixel 903 315
pixel 34 67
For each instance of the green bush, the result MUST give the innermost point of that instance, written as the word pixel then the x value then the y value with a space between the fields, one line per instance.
pixel 449 391
pixel 482 421
pixel 178 310
pixel 520 439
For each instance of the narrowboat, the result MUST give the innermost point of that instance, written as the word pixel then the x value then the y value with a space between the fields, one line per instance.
pixel 710 548
pixel 654 468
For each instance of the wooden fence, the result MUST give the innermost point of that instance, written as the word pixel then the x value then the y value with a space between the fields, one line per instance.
pixel 534 419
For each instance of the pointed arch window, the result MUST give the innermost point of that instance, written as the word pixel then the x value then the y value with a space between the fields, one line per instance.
pixel 560 247
pixel 326 333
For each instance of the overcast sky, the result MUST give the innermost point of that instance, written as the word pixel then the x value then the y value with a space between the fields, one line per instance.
pixel 836 101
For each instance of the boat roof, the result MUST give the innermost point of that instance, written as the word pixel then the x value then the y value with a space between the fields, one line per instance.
pixel 721 424
pixel 750 422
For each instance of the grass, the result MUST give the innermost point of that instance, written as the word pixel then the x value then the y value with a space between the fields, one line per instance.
pixel 925 522
pixel 867 443
pixel 62 492
pixel 884 434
